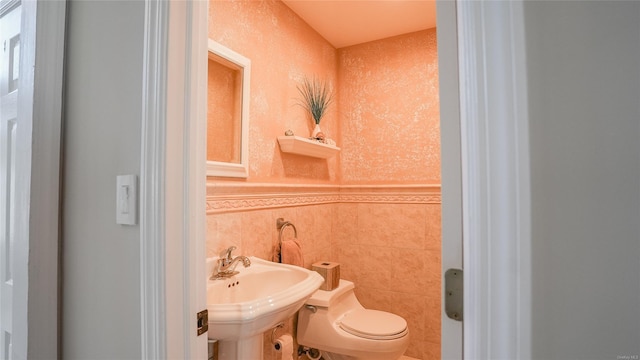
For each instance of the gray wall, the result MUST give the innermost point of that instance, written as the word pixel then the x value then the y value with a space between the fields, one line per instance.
pixel 100 265
pixel 584 76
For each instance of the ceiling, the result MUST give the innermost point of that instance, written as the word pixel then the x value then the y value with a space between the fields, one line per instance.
pixel 349 22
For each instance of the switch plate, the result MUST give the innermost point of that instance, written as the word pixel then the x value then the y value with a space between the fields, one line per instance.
pixel 126 199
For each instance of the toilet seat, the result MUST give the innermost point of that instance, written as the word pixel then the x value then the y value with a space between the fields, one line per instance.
pixel 373 324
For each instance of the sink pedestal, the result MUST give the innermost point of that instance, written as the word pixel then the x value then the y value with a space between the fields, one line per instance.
pixel 243 349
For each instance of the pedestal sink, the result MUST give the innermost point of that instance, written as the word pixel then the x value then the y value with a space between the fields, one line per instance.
pixel 244 306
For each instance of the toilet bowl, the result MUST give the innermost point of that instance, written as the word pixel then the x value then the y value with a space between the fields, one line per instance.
pixel 335 323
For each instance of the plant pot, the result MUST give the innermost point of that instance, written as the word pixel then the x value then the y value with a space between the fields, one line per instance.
pixel 315 131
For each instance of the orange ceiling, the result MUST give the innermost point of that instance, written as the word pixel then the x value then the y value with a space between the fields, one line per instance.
pixel 349 22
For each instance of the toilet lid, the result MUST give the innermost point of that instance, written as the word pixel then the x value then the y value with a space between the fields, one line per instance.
pixel 374 324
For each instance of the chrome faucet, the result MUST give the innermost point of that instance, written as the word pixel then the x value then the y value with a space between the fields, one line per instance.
pixel 227 264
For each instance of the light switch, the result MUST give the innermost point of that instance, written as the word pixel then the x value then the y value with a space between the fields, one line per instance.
pixel 126 199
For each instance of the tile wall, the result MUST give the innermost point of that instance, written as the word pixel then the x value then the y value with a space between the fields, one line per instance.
pixel 386 239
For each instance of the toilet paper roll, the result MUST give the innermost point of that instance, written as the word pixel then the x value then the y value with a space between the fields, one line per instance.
pixel 284 345
pixel 314 354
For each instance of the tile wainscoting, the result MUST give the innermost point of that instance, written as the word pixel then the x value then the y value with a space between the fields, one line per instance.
pixel 387 239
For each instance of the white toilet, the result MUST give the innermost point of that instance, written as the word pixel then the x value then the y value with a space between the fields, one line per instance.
pixel 335 323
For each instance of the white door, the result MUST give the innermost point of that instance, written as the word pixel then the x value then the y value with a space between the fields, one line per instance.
pixel 30 121
pixel 9 68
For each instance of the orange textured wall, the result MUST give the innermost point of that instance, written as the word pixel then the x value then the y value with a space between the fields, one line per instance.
pixel 283 50
pixel 389 110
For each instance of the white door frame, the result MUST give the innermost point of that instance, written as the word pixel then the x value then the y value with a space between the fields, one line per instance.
pixel 173 179
pixel 495 180
pixel 37 193
pixel 451 330
pixel 152 181
pixel 494 177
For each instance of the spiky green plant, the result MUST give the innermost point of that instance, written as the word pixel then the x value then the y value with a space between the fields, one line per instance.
pixel 316 97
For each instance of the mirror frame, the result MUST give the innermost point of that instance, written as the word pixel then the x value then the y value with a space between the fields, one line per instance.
pixel 227 169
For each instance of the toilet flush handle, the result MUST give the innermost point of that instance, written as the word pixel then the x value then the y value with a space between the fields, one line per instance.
pixel 312 308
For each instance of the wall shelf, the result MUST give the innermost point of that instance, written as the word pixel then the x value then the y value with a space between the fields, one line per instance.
pixel 303 146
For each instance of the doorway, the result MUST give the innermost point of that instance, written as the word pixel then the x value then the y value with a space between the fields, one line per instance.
pixel 473 24
pixel 233 223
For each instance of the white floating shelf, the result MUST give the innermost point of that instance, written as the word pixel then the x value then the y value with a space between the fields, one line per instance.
pixel 303 146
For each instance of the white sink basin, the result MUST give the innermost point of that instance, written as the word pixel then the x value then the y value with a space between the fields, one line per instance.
pixel 262 295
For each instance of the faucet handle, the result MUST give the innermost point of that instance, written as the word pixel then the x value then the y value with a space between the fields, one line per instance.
pixel 226 254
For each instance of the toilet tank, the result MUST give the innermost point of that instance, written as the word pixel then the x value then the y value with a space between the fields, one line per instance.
pixel 325 298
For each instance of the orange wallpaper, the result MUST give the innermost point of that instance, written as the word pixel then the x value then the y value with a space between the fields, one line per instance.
pixel 389 110
pixel 385 119
pixel 283 50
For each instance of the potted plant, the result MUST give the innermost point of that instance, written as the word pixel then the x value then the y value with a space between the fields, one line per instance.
pixel 316 98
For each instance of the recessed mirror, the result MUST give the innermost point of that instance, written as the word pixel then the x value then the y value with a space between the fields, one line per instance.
pixel 227 112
